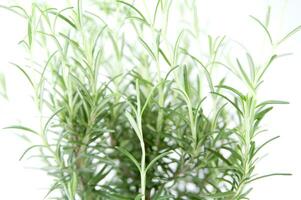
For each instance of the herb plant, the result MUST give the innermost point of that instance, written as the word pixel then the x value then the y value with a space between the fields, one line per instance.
pixel 127 111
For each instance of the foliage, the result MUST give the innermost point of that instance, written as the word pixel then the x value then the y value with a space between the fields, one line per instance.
pixel 135 114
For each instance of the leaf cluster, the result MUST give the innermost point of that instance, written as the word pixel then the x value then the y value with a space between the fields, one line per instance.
pixel 134 114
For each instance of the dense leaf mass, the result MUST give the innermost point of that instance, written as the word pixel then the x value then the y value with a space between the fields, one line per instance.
pixel 136 113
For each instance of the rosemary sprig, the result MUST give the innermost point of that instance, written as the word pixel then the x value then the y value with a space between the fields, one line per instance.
pixel 135 114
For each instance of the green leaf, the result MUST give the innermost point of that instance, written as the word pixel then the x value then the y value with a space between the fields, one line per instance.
pixel 23 128
pixel 54 187
pixel 170 71
pixel 223 195
pixel 135 9
pixel 50 118
pixel 97 38
pixel 216 117
pixel 44 70
pixel 3 90
pixel 264 144
pixel 207 74
pixel 245 76
pixel 150 165
pixel 134 124
pixel 73 43
pixel 156 11
pixel 115 46
pixel 262 113
pixel 268 175
pixel 80 12
pixel 164 56
pixel 252 66
pixel 218 195
pixel 186 80
pixel 29 149
pixel 234 154
pixel 266 67
pixel 13 9
pixel 183 94
pixel 100 175
pixel 267 17
pixel 59 15
pixel 218 154
pixel 25 73
pixel 149 97
pixel 290 34
pixel 264 28
pixel 145 45
pixel 232 103
pixel 176 48
pixel 29 32
pixel 271 102
pixel 235 91
pixel 130 156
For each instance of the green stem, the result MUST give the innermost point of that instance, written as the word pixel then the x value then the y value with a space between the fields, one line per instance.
pixel 142 144
pixel 247 134
pixel 143 172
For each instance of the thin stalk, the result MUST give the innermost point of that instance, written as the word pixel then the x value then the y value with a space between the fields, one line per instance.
pixel 142 145
pixel 143 172
pixel 247 134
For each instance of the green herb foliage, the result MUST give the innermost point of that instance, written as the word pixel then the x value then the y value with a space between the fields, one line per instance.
pixel 134 114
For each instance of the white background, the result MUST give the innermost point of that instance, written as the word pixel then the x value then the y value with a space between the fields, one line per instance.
pixel 229 17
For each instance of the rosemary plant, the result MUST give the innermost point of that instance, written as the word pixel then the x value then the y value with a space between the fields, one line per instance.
pixel 134 113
